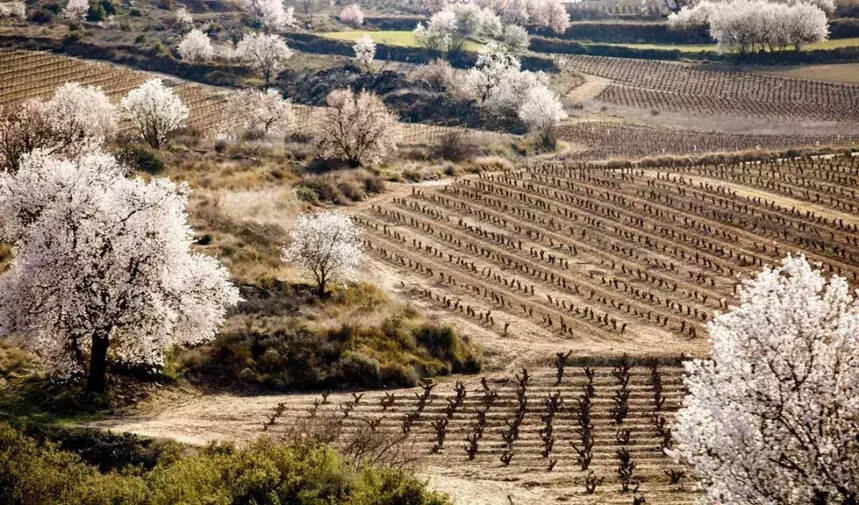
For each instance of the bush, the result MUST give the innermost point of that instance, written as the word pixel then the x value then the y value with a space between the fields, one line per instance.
pixel 140 158
pixel 42 17
pixel 263 473
pixel 290 354
pixel 457 146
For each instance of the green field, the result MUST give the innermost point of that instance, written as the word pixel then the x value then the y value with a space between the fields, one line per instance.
pixel 694 48
pixel 391 38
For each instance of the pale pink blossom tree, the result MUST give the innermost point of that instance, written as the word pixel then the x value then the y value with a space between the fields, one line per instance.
pixel 271 14
pixel 265 53
pixel 196 46
pixel 75 10
pixel 352 15
pixel 357 128
pixel 264 113
pixel 103 268
pixel 154 111
pixel 542 111
pixel 773 415
pixel 365 50
pixel 327 245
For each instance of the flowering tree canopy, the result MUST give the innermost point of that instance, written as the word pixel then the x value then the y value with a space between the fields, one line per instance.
pixel 103 267
pixel 154 110
pixel 76 120
pixel 357 128
pixel 542 110
pixel 773 416
pixel 196 46
pixel 352 15
pixel 15 9
pixel 326 244
pixel 365 50
pixel 271 14
pixel 265 113
pixel 448 29
pixel 75 10
pixel 515 38
pixel 183 19
pixel 749 24
pixel 267 54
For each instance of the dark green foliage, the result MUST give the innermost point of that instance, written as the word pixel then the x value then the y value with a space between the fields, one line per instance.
pixel 42 17
pixel 96 13
pixel 264 473
pixel 140 158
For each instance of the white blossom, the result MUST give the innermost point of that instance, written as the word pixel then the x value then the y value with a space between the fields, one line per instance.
pixel 154 111
pixel 16 9
pixel 271 13
pixel 326 244
pixel 357 128
pixel 515 38
pixel 83 117
pixel 550 14
pixel 102 267
pixel 352 15
pixel 196 46
pixel 494 64
pixel 264 113
pixel 772 416
pixel 76 10
pixel 183 18
pixel 76 120
pixel 750 24
pixel 542 110
pixel 365 50
pixel 267 54
pixel 449 29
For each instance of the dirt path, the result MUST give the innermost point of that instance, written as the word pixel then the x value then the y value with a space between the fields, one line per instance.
pixel 588 91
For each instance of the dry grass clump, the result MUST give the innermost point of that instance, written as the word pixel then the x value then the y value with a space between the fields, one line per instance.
pixel 340 187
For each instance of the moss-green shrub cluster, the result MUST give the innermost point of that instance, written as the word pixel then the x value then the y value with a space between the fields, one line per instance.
pixel 356 338
pixel 264 473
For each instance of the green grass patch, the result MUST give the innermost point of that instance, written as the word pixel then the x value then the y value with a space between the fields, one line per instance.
pixel 391 38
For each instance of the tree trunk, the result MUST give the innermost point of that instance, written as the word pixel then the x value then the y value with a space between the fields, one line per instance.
pixel 96 382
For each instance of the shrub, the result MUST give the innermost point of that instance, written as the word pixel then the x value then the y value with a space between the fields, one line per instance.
pixel 140 158
pixel 42 17
pixel 345 352
pixel 264 473
pixel 457 146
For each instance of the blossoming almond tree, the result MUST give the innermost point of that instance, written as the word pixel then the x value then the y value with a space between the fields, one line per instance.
pixel 326 244
pixel 265 113
pixel 271 14
pixel 75 10
pixel 267 54
pixel 103 267
pixel 542 110
pixel 773 415
pixel 365 50
pixel 196 46
pixel 154 110
pixel 357 128
pixel 76 120
pixel 352 15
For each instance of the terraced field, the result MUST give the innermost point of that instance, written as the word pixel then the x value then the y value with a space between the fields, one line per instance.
pixel 31 74
pixel 614 261
pixel 680 87
pixel 532 432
